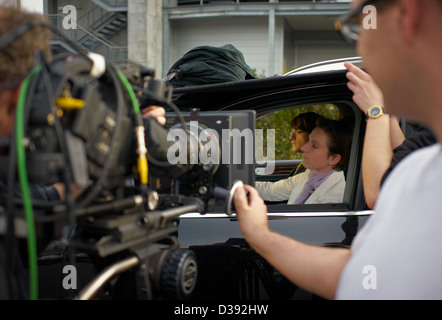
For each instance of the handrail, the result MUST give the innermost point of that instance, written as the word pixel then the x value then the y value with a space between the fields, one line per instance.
pixel 112 5
pixel 178 3
pixel 102 41
pixel 91 16
pixel 76 34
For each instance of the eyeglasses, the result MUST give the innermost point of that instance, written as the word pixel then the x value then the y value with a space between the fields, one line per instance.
pixel 349 24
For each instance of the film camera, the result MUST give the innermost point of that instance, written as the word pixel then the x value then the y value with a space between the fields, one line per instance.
pixel 85 129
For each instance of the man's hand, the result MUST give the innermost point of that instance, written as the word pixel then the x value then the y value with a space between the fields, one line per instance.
pixel 366 91
pixel 60 187
pixel 155 112
pixel 317 269
pixel 251 212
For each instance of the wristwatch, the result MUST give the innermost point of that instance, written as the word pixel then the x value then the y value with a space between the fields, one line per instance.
pixel 375 112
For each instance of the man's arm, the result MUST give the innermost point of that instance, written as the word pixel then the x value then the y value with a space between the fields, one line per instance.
pixel 313 268
pixel 380 136
pixel 376 157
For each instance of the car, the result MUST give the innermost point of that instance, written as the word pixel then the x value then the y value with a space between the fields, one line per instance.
pixel 219 262
pixel 228 267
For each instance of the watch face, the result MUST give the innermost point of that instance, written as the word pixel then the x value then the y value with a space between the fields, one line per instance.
pixel 375 112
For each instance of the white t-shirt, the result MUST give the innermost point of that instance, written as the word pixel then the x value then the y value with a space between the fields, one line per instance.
pixel 398 253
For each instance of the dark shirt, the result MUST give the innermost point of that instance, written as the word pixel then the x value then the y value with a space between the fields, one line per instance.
pixel 420 139
pixel 38 192
pixel 13 285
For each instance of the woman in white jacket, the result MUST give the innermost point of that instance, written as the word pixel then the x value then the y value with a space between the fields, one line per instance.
pixel 325 156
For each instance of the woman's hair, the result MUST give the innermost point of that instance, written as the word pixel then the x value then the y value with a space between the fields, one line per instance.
pixel 305 121
pixel 340 133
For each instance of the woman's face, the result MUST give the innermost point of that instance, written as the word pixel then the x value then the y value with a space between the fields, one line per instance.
pixel 316 154
pixel 299 138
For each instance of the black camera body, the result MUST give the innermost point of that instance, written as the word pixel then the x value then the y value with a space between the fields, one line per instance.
pixel 84 130
pixel 213 150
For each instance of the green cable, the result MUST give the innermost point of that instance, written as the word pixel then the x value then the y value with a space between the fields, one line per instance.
pixel 142 163
pixel 24 185
pixel 23 177
pixel 130 91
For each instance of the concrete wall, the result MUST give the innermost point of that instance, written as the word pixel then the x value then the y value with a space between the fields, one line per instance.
pixel 144 33
pixel 314 46
pixel 247 34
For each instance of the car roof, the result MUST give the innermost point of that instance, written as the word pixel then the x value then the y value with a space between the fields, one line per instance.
pixel 219 95
pixel 329 65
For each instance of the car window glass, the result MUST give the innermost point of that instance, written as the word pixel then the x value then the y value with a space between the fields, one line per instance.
pixel 285 159
pixel 280 122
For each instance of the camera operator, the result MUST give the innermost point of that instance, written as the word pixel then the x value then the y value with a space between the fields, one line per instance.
pixel 16 61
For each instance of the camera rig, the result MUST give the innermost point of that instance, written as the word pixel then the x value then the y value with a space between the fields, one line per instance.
pixel 122 196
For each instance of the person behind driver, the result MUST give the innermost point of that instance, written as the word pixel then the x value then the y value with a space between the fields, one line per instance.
pixel 302 126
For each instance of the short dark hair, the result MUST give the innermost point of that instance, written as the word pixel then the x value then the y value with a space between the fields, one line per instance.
pixel 340 133
pixel 305 121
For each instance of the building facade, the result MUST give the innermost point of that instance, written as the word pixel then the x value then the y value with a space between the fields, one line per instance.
pixel 275 36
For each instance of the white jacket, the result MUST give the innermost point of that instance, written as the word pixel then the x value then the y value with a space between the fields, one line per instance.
pixel 330 191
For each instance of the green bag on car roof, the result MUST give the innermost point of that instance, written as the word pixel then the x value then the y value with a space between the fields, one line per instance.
pixel 208 65
pixel 205 65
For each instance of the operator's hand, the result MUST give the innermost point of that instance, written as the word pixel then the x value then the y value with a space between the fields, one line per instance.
pixel 366 91
pixel 155 112
pixel 251 212
pixel 60 187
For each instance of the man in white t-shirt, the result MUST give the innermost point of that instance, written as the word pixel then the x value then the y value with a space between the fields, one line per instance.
pixel 397 255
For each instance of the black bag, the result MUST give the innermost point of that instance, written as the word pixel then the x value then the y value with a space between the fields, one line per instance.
pixel 208 65
pixel 205 65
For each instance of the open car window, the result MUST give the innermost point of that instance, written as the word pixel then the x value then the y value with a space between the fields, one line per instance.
pixel 286 160
pixel 280 122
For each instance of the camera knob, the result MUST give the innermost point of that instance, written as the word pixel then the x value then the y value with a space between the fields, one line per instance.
pixel 179 274
pixel 152 200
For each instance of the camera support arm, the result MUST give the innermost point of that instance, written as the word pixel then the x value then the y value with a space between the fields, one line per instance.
pixel 106 275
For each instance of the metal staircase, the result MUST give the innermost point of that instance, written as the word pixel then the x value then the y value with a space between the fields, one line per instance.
pixel 112 5
pixel 112 20
pixel 98 26
pixel 111 26
pixel 104 29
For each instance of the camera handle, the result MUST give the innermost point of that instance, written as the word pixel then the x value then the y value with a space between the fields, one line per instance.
pixel 227 195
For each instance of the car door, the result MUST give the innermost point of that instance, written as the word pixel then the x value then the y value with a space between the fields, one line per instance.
pixel 227 265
